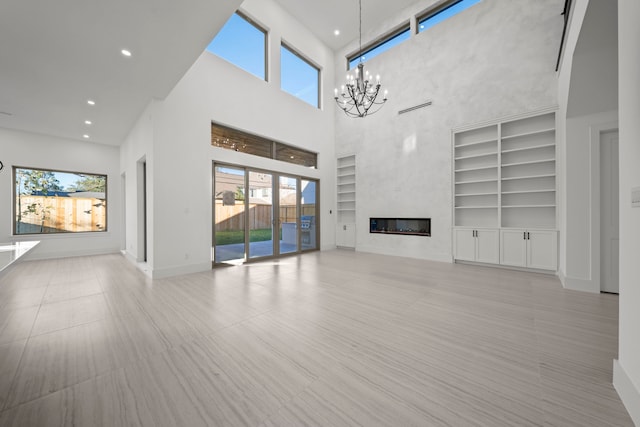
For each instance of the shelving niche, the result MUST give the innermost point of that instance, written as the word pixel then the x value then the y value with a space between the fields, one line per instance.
pixel 346 201
pixel 504 176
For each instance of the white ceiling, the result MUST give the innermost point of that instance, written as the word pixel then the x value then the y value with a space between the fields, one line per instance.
pixel 323 17
pixel 55 55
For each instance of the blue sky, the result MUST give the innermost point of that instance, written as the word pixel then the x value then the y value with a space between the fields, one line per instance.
pixel 242 44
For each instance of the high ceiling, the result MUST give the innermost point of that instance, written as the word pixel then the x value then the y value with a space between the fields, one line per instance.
pixel 56 55
pixel 324 17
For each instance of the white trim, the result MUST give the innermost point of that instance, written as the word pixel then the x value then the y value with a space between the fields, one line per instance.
pixel 629 393
pixel 178 271
pixel 39 255
pixel 595 135
pixel 584 285
pixel 498 120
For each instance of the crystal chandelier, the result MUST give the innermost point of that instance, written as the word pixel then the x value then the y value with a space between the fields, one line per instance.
pixel 359 95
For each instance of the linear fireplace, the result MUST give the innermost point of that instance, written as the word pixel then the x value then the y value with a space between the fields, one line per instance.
pixel 405 226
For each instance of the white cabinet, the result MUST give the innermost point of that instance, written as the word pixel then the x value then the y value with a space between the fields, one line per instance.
pixel 529 248
pixel 479 245
pixel 504 182
pixel 346 235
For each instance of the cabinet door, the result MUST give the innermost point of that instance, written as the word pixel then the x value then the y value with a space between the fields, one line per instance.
pixel 464 245
pixel 488 246
pixel 513 248
pixel 346 235
pixel 542 249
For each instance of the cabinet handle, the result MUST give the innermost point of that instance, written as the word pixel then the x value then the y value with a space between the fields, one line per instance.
pixel 524 235
pixel 528 237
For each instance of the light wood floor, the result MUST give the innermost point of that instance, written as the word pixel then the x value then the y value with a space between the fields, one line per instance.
pixel 333 338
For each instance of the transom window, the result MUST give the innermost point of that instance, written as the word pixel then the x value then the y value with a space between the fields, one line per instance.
pixel 383 44
pixel 243 43
pixel 298 76
pixel 243 142
pixel 436 15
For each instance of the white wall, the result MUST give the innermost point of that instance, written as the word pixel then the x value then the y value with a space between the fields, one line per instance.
pixel 627 369
pixel 582 198
pixel 588 87
pixel 182 155
pixel 46 152
pixel 493 60
pixel 138 147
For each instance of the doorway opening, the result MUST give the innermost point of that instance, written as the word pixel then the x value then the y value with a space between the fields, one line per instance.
pixel 609 212
pixel 259 214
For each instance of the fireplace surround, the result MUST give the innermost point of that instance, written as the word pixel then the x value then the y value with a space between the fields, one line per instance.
pixel 403 226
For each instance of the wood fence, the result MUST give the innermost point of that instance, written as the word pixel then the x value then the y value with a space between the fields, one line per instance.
pixel 232 218
pixel 43 214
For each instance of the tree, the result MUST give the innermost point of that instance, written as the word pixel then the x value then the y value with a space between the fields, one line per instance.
pixel 93 183
pixel 30 181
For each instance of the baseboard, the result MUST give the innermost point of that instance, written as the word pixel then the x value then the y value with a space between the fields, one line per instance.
pixel 38 256
pixel 583 285
pixel 628 392
pixel 161 273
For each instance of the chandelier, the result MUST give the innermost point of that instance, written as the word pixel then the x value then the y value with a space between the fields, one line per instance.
pixel 359 95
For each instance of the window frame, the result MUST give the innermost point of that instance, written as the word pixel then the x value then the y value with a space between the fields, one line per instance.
pixel 15 195
pixel 405 26
pixel 306 60
pixel 258 26
pixel 231 138
pixel 436 9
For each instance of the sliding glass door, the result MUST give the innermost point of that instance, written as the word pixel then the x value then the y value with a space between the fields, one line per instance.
pixel 260 214
pixel 229 211
pixel 288 218
pixel 308 229
pixel 276 215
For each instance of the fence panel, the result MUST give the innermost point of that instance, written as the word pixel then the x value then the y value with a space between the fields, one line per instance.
pixel 44 214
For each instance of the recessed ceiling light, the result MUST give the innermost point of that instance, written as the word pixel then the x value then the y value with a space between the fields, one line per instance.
pixel 336 33
pixel 91 102
pixel 125 52
pixel 87 122
pixel 85 136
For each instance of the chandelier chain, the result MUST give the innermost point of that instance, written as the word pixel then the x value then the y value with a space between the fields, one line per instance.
pixel 359 95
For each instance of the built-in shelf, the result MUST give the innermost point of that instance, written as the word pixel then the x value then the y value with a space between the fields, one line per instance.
pixel 536 132
pixel 469 144
pixel 346 189
pixel 477 156
pixel 475 194
pixel 529 177
pixel 527 206
pixel 521 153
pixel 476 169
pixel 532 162
pixel 514 150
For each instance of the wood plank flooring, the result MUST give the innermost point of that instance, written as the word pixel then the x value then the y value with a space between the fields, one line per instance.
pixel 333 338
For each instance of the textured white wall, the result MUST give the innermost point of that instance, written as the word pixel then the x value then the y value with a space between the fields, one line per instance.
pixel 629 96
pixel 47 152
pixel 495 59
pixel 215 90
